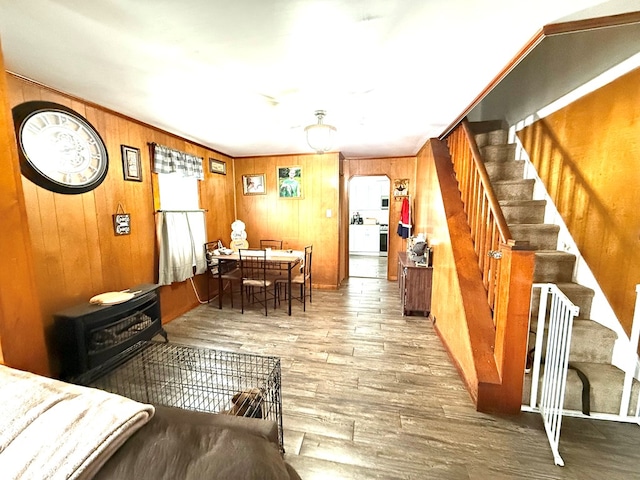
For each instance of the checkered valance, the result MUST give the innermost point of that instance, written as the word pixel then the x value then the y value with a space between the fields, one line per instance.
pixel 167 160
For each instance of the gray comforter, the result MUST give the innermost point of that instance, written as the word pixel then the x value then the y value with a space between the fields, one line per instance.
pixel 178 444
pixel 55 430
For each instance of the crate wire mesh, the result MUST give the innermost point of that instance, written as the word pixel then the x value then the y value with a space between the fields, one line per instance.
pixel 192 378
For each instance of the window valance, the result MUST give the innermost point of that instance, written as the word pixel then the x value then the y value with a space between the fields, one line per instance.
pixel 168 160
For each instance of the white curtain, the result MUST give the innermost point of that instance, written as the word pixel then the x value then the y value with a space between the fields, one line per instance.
pixel 181 237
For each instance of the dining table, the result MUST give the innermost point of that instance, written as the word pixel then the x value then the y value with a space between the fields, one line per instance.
pixel 275 260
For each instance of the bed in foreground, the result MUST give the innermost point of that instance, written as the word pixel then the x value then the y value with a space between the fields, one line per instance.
pixel 56 430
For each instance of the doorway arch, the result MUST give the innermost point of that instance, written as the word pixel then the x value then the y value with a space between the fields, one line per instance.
pixel 368 236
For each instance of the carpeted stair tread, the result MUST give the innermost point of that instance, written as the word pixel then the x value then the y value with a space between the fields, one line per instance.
pixel 605 382
pixel 579 295
pixel 495 136
pixel 499 153
pixel 513 170
pixel 591 342
pixel 553 266
pixel 523 211
pixel 521 189
pixel 541 236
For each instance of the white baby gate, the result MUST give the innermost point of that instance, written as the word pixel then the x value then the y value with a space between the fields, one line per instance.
pixel 558 311
pixel 559 314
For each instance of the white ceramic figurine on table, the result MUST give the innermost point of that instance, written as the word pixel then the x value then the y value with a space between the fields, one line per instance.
pixel 238 236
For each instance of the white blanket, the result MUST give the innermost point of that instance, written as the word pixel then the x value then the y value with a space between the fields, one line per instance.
pixel 54 430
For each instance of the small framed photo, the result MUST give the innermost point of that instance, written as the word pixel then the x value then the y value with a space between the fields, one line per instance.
pixel 131 163
pixel 254 184
pixel 216 166
pixel 289 182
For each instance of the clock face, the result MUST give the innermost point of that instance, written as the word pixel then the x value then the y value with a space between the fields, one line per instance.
pixel 59 149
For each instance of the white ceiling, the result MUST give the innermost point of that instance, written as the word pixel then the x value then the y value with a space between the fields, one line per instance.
pixel 244 77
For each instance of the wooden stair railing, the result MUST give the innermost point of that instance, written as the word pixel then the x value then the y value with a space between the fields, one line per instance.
pixel 506 267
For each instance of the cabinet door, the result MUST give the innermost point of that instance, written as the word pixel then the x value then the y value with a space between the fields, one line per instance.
pixel 371 238
pixel 419 289
pixel 354 238
pixel 364 238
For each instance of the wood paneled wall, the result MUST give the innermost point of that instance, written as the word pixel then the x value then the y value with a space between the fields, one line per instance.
pixel 587 156
pixel 459 307
pixel 75 250
pixel 22 343
pixel 394 168
pixel 296 221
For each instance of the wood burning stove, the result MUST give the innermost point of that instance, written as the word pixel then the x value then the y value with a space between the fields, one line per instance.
pixel 90 335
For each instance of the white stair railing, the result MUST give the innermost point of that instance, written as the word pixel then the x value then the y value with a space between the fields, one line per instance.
pixel 632 356
pixel 559 316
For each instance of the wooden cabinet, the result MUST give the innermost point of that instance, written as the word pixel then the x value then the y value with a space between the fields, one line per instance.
pixel 415 286
pixel 364 239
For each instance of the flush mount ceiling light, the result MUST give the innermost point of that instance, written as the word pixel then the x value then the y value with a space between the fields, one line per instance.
pixel 320 136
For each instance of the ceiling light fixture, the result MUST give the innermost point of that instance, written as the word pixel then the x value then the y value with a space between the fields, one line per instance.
pixel 320 136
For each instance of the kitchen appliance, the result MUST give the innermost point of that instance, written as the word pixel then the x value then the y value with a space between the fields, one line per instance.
pixel 384 203
pixel 384 240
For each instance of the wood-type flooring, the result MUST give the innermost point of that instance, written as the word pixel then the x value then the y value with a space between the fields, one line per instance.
pixel 368 266
pixel 371 394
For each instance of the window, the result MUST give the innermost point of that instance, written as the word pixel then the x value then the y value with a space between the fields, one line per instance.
pixel 180 222
pixel 177 192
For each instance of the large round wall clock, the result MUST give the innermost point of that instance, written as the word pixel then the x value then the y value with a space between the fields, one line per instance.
pixel 59 149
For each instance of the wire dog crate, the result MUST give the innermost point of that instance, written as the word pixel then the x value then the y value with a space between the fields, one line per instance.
pixel 198 379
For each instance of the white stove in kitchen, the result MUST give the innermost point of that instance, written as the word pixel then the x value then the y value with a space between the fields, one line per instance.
pixel 384 239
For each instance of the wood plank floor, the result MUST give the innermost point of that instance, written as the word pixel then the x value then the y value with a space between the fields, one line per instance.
pixel 368 266
pixel 370 394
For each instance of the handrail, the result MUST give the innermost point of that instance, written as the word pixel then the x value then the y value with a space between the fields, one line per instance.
pixel 499 353
pixel 501 223
pixel 489 228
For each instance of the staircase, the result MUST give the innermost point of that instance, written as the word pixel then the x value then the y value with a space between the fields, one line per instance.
pixel 592 344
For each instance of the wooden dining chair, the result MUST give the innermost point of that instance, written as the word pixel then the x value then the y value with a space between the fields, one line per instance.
pixel 303 279
pixel 255 281
pixel 275 244
pixel 229 271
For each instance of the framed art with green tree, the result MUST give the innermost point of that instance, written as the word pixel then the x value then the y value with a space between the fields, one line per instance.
pixel 290 182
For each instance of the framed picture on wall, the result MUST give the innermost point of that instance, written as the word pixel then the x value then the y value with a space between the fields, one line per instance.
pixel 254 184
pixel 216 166
pixel 401 187
pixel 289 182
pixel 131 163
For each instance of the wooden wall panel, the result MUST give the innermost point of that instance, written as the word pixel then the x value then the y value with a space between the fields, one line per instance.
pixel 587 156
pixel 394 168
pixel 75 250
pixel 298 222
pixel 459 307
pixel 343 262
pixel 22 342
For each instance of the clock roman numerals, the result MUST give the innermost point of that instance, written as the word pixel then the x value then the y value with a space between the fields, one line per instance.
pixel 60 150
